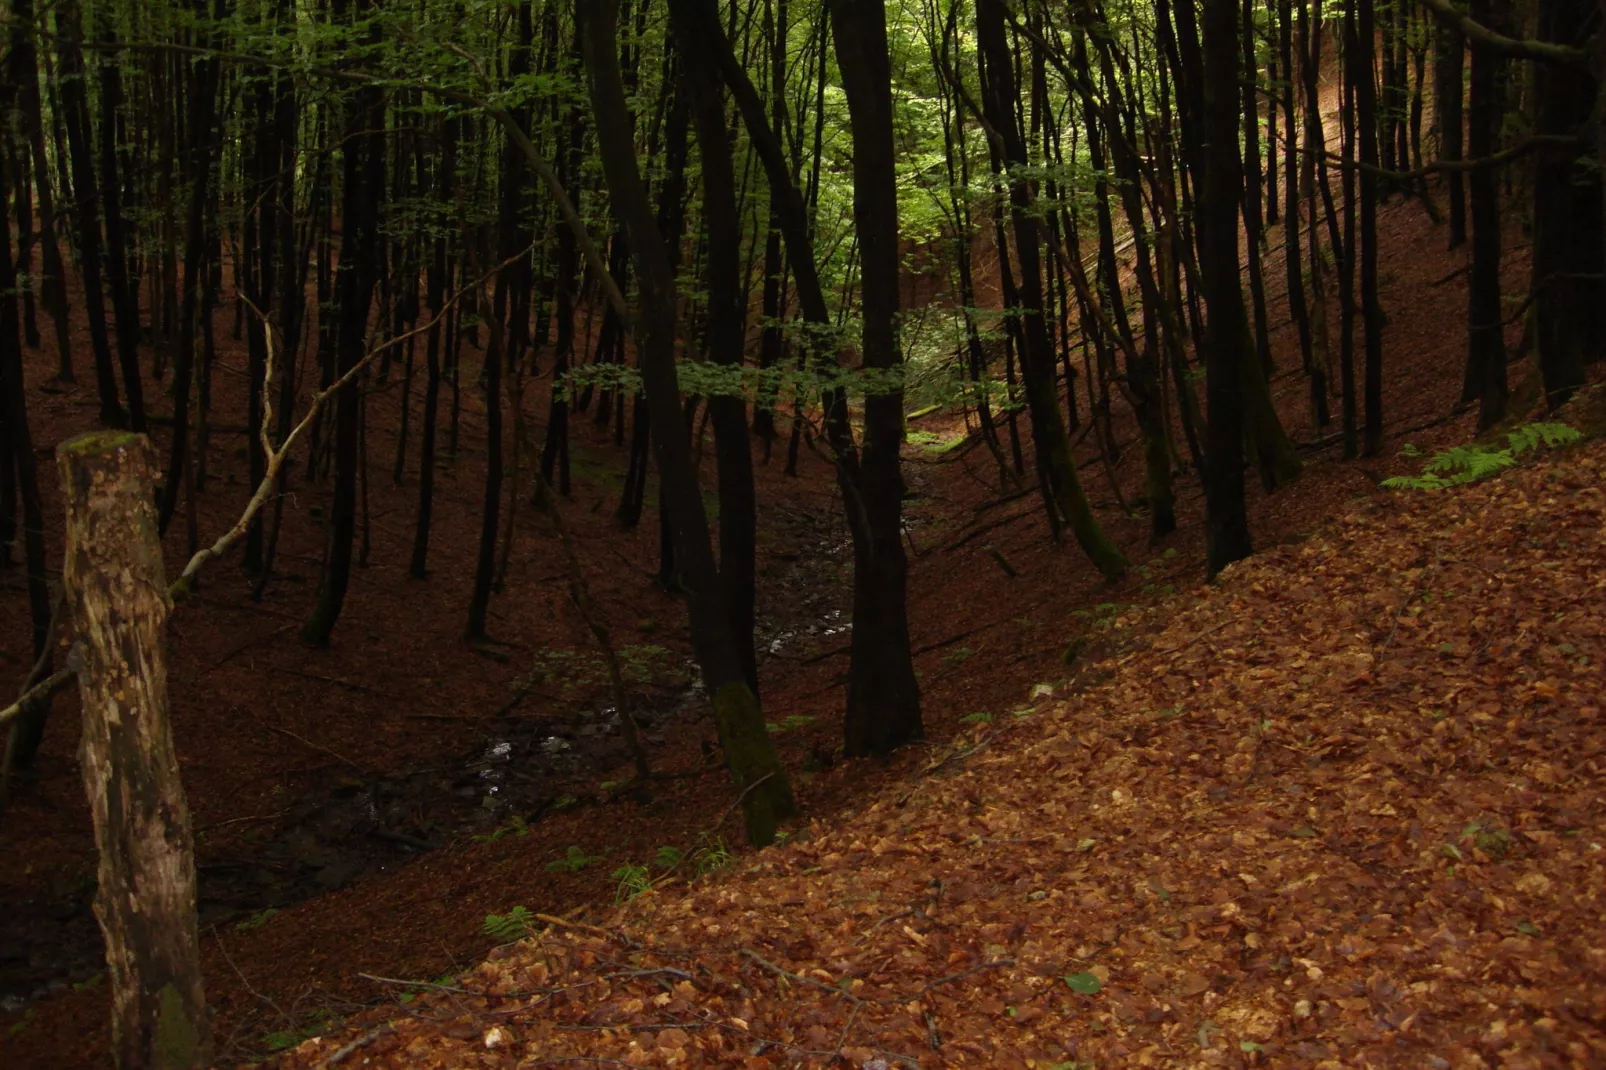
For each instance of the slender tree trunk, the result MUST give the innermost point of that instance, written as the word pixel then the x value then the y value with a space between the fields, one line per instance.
pixel 436 283
pixel 1485 380
pixel 86 210
pixel 1567 219
pixel 1449 69
pixel 125 312
pixel 27 731
pixel 1048 426
pixel 364 183
pixel 765 795
pixel 202 111
pixel 724 338
pixel 1360 57
pixel 25 70
pixel 1226 339
pixel 883 696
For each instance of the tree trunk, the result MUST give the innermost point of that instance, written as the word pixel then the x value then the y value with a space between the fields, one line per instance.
pixel 1485 380
pixel 27 732
pixel 364 180
pixel 24 57
pixel 883 696
pixel 765 795
pixel 1566 214
pixel 86 210
pixel 1037 359
pixel 1449 66
pixel 724 337
pixel 1228 349
pixel 125 311
pixel 117 597
pixel 1359 53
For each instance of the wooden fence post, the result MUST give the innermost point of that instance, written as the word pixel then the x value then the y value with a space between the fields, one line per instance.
pixel 117 595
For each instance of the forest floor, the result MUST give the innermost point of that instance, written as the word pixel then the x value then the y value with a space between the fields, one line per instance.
pixel 1343 808
pixel 361 810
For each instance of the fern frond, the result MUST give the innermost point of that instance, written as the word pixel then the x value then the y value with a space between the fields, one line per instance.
pixel 1530 436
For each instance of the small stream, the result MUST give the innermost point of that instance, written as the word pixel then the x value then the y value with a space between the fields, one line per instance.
pixel 517 771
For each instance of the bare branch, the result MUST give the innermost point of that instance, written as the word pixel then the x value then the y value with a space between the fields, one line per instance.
pixel 1523 47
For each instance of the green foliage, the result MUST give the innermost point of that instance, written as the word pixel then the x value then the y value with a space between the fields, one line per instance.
pixel 788 724
pixel 633 880
pixel 977 718
pixel 281 1039
pixel 573 861
pixel 668 856
pixel 257 920
pixel 1101 616
pixel 516 826
pixel 1468 464
pixel 711 855
pixel 575 673
pixel 514 925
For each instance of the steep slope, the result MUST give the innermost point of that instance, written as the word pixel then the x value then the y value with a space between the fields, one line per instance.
pixel 1344 808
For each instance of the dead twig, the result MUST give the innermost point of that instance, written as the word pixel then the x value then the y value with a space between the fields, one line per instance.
pixel 417 984
pixel 738 802
pixel 340 1054
pixel 317 747
pixel 798 978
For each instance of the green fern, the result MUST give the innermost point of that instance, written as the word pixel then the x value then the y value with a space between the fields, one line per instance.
pixel 633 880
pixel 515 924
pixel 1459 465
pixel 1531 436
pixel 573 861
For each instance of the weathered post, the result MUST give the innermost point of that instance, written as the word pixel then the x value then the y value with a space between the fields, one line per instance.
pixel 117 595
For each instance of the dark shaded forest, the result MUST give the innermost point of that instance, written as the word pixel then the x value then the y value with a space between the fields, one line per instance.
pixel 504 441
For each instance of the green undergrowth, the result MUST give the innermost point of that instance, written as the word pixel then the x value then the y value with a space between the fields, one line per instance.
pixel 1476 461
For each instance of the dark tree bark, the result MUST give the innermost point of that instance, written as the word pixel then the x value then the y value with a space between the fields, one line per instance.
pixel 1485 380
pixel 1048 426
pixel 25 73
pixel 86 209
pixel 435 283
pixel 724 336
pixel 485 561
pixel 1360 60
pixel 883 696
pixel 1449 68
pixel 1567 222
pixel 364 183
pixel 765 795
pixel 125 311
pixel 1227 339
pixel 27 732
pixel 1254 224
pixel 1292 260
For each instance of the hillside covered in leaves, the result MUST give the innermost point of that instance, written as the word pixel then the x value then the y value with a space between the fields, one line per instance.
pixel 1343 808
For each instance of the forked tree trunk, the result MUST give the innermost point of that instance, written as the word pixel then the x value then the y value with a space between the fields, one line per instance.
pixel 117 595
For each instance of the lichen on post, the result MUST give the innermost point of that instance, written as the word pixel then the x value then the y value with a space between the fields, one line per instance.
pixel 117 595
